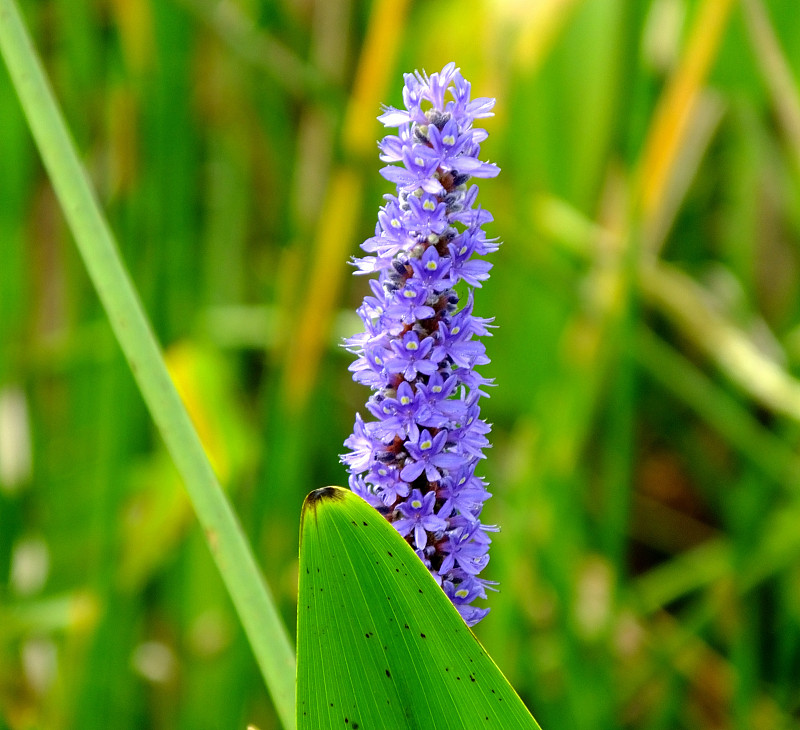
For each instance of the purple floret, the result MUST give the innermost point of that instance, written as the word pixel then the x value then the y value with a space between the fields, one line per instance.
pixel 416 461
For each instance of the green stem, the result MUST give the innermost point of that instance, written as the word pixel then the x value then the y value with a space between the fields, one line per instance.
pixel 250 594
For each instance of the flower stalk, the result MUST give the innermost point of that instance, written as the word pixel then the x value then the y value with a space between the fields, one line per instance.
pixel 418 353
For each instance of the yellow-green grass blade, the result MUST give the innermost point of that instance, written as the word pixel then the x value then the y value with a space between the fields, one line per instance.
pixel 379 645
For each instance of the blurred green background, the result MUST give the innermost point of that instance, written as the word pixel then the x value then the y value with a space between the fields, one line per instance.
pixel 646 420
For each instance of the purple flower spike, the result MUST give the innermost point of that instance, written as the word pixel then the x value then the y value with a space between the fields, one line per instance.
pixel 416 462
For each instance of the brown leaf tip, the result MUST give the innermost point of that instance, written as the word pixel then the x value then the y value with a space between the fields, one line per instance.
pixel 320 496
pixel 324 494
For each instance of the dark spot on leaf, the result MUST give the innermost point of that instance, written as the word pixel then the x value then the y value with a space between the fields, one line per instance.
pixel 389 554
pixel 406 625
pixel 307 571
pixel 423 636
pixel 353 522
pixel 366 524
pixel 388 674
pixel 471 678
pixel 419 589
pixel 355 726
pixel 458 678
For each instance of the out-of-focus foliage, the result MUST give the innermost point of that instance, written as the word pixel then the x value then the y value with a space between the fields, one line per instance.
pixel 647 413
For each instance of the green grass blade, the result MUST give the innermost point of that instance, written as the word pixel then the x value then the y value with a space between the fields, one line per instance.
pixel 250 594
pixel 379 643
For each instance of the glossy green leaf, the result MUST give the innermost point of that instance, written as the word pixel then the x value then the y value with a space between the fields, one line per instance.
pixel 379 645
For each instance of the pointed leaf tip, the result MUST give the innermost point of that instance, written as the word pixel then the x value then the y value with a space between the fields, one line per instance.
pixel 318 497
pixel 324 493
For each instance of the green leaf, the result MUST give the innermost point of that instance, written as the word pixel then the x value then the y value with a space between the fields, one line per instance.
pixel 379 645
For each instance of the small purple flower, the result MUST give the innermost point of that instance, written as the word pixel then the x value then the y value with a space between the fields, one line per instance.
pixel 420 164
pixel 387 483
pixel 419 352
pixel 465 548
pixel 430 269
pixel 362 447
pixel 410 303
pixel 411 357
pixel 402 415
pixel 464 492
pixel 417 515
pixel 462 594
pixel 428 455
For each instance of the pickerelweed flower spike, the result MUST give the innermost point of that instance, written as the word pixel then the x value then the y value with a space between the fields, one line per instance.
pixel 416 462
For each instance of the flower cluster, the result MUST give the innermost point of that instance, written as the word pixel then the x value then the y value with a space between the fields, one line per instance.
pixel 416 462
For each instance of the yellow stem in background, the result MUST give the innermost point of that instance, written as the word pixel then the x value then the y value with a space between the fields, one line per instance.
pixel 685 303
pixel 776 72
pixel 378 57
pixel 539 26
pixel 333 240
pixel 677 105
pixel 336 230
